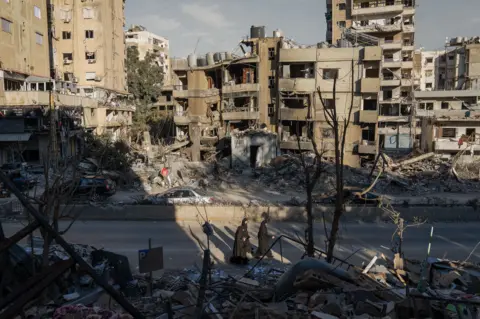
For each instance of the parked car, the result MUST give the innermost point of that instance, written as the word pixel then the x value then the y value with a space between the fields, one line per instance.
pixel 180 195
pixel 23 181
pixel 10 168
pixel 93 187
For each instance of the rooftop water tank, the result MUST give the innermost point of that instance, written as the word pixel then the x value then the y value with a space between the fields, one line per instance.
pixel 202 61
pixel 228 56
pixel 257 32
pixel 217 57
pixel 192 60
pixel 210 60
pixel 223 56
pixel 277 33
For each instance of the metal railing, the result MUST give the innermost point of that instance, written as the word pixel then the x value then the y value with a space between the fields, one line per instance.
pixel 241 109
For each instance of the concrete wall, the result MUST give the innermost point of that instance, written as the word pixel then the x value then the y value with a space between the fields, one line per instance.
pixel 19 51
pixel 236 213
pixel 108 42
pixel 241 148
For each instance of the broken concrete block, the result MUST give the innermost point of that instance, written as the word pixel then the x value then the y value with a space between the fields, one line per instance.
pixel 331 308
pixel 249 282
pixel 322 315
pixel 302 298
pixel 318 298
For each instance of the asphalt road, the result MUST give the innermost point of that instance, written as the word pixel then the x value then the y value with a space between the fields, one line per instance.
pixel 183 242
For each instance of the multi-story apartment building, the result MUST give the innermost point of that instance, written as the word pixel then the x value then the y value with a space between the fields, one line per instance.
pixel 89 52
pixel 148 42
pixel 274 86
pixel 448 109
pixel 390 24
pixel 30 85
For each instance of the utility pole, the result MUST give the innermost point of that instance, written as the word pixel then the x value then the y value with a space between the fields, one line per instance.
pixel 53 151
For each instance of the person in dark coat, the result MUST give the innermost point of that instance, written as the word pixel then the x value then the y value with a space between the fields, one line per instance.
pixel 264 239
pixel 241 245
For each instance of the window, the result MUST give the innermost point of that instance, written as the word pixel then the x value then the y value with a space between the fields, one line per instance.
pixel 88 34
pixel 342 24
pixel 6 25
pixel 329 104
pixel 422 106
pixel 451 57
pixel 66 35
pixel 449 132
pixel 90 76
pixel 37 12
pixel 390 2
pixel 271 109
pixel 327 133
pixel 68 56
pixel 429 60
pixel 428 73
pixel 271 82
pixel 428 85
pixel 445 105
pixel 364 5
pixel 330 74
pixel 470 132
pixel 404 93
pixel 68 77
pixel 389 39
pixel 429 106
pixel 38 38
pixel 87 13
pixel 90 55
pixel 342 6
pixel 271 53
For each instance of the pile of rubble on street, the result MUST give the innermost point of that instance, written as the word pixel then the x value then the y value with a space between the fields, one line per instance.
pixel 311 288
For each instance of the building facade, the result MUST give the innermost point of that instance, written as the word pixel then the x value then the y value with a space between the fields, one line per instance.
pixel 34 76
pixel 148 42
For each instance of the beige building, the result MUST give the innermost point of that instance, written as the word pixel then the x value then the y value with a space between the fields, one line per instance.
pixel 27 88
pixel 148 42
pixel 90 51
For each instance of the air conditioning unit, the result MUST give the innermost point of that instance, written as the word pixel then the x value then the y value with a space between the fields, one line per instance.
pixel 98 78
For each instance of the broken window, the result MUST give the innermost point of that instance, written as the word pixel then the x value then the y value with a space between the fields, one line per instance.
pixel 90 56
pixel 388 57
pixel 68 57
pixel 329 104
pixel 88 34
pixel 342 24
pixel 470 132
pixel 449 132
pixel 389 39
pixel 372 73
pixel 271 53
pixel 429 60
pixel 404 93
pixel 430 106
pixel 428 73
pixel 342 6
pixel 68 76
pixel 387 95
pixel 66 35
pixel 330 74
pixel 451 57
pixel 370 105
pixel 445 105
pixel 364 5
pixel 271 109
pixel 429 85
pixel 11 85
pixel 301 71
pixel 327 133
pixel 421 106
pixel 271 82
pixel 390 2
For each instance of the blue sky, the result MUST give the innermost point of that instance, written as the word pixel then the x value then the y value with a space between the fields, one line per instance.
pixel 218 25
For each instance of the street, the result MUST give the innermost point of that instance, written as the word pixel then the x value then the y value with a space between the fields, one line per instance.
pixel 183 242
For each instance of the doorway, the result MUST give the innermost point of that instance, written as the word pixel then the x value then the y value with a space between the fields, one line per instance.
pixel 253 155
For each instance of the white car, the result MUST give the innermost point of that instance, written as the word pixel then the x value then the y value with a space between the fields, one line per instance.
pixel 180 196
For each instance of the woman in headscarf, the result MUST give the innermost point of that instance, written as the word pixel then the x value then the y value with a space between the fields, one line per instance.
pixel 241 245
pixel 264 239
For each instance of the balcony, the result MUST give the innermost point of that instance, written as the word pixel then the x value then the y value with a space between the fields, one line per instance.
pixel 393 45
pixel 180 91
pixel 379 10
pixel 394 118
pixel 409 28
pixel 392 64
pixel 374 28
pixel 390 81
pixel 410 82
pixel 407 64
pixel 181 118
pixel 408 48
pixel 162 100
pixel 294 114
pixel 204 93
pixel 293 145
pixel 399 130
pixel 370 85
pixel 240 113
pixel 241 88
pixel 367 148
pixel 368 116
pixel 297 84
pixel 29 98
pixel 446 144
pixel 408 11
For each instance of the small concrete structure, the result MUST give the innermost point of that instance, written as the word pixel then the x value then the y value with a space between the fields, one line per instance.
pixel 253 148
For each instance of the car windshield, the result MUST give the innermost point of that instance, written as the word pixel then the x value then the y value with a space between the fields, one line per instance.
pixel 200 192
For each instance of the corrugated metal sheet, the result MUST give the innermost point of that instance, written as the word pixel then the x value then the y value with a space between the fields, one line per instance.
pixel 19 137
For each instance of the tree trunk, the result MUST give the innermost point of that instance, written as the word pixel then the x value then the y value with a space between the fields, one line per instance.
pixel 310 243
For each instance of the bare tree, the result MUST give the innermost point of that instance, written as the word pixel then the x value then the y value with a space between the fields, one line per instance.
pixel 339 124
pixel 312 175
